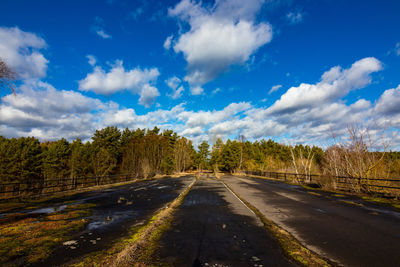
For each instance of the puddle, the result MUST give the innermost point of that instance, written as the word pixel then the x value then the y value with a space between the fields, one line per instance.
pixel 99 222
pixel 163 186
pixel 49 209
pixel 386 212
pixel 322 211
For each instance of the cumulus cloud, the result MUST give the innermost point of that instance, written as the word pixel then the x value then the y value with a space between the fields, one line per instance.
pixel 219 37
pixel 389 102
pixel 196 90
pixel 177 90
pixel 21 51
pixel 41 110
pixel 334 84
pixel 138 81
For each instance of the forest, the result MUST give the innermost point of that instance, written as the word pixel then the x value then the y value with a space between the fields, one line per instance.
pixel 144 153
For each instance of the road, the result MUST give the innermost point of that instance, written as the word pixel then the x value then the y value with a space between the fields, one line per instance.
pixel 344 229
pixel 117 210
pixel 213 227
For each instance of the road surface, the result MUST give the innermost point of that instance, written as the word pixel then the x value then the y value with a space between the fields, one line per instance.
pixel 213 227
pixel 349 234
pixel 117 210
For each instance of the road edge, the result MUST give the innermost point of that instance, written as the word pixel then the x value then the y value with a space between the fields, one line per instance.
pixel 290 245
pixel 137 248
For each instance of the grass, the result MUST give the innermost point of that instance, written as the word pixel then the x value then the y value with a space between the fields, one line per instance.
pixel 29 238
pixel 313 193
pixel 290 245
pixel 138 248
pixel 351 202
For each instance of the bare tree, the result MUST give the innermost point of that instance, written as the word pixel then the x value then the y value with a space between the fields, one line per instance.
pixel 7 76
pixel 359 157
pixel 306 162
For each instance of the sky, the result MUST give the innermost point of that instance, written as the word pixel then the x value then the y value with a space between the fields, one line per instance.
pixel 292 71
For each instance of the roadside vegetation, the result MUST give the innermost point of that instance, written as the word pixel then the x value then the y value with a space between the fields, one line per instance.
pixel 27 238
pixel 144 153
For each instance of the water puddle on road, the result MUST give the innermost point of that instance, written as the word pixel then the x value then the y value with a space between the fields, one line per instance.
pixel 99 222
pixel 48 210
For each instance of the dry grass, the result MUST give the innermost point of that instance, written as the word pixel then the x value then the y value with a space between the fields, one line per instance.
pixel 30 239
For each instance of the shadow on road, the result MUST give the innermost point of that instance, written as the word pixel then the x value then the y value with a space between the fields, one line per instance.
pixel 214 228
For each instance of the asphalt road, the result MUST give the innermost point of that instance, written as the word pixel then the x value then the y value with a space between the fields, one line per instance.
pixel 358 234
pixel 213 227
pixel 117 210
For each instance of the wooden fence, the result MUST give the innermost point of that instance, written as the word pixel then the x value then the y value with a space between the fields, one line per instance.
pixel 40 188
pixel 383 186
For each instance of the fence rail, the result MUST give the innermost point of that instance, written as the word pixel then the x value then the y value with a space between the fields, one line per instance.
pixel 40 188
pixel 383 186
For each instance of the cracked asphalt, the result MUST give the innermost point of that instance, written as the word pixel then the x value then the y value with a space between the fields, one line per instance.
pixel 347 230
pixel 213 227
pixel 117 210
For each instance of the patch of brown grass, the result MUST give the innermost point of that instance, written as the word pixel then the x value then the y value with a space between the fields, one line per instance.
pixel 29 240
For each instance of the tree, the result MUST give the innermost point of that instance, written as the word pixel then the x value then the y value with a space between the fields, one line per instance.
pixel 7 76
pixel 216 155
pixel 106 153
pixel 56 159
pixel 358 157
pixel 203 155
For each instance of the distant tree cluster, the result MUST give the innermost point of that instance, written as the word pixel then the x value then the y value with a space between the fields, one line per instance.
pixel 263 155
pixel 140 153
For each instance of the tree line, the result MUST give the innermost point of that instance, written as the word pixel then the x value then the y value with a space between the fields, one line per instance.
pixel 140 153
pixel 143 153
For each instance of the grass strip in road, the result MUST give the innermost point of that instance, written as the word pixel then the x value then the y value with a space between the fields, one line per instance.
pixel 137 249
pixel 291 246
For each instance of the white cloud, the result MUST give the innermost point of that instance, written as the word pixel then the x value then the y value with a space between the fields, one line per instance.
pixel 274 88
pixel 168 41
pixel 103 34
pixel 98 28
pixel 91 60
pixel 173 83
pixel 148 95
pixel 294 17
pixel 389 102
pixel 219 36
pixel 216 90
pixel 397 49
pixel 197 90
pixel 21 51
pixel 334 84
pixel 138 81
pixel 39 109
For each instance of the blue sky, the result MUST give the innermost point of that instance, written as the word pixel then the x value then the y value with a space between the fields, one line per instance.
pixel 293 71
